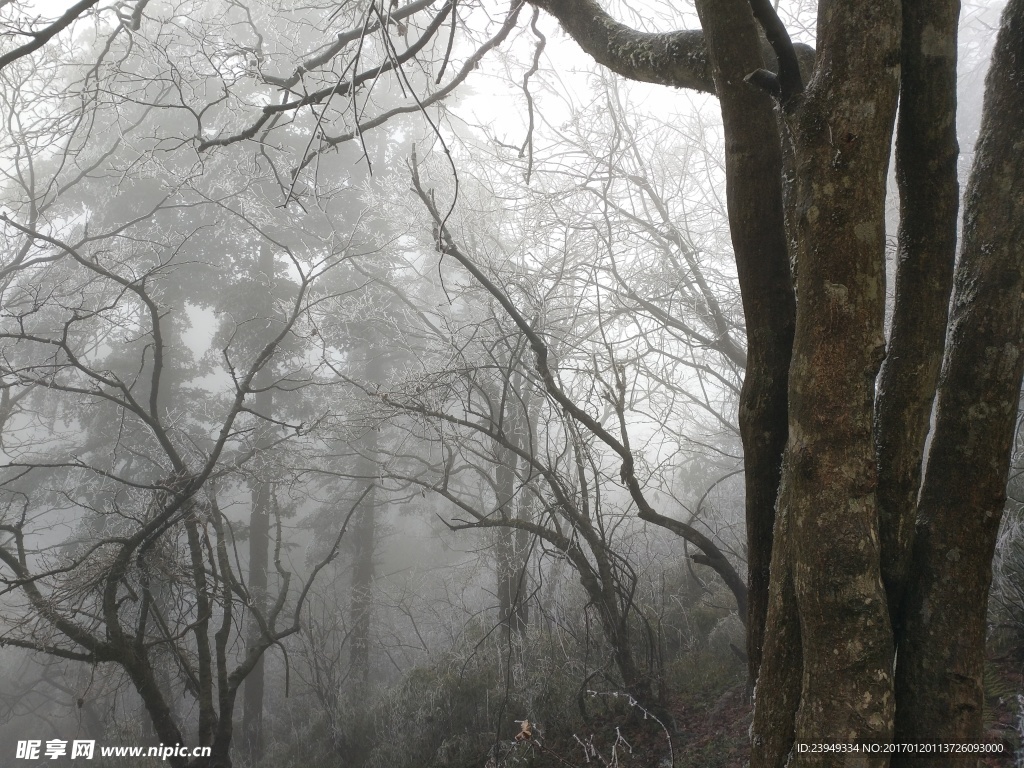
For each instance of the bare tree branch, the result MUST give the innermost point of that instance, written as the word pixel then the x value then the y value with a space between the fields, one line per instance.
pixel 40 38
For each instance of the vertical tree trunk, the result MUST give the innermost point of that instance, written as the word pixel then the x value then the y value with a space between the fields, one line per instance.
pixel 926 154
pixel 842 129
pixel 260 490
pixel 509 568
pixel 753 167
pixel 364 542
pixel 259 543
pixel 941 653
pixel 521 607
pixel 510 419
pixel 200 630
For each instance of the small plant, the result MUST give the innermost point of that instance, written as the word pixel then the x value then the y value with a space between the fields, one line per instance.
pixel 647 714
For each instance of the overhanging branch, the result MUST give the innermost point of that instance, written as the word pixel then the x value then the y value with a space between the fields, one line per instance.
pixel 679 58
pixel 715 558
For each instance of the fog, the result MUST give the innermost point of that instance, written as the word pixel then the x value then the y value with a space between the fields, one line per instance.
pixel 371 393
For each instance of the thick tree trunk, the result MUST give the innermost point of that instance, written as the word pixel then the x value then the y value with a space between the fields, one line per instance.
pixel 140 671
pixel 842 129
pixel 753 166
pixel 926 154
pixel 844 523
pixel 941 653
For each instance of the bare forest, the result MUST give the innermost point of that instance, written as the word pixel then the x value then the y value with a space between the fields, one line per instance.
pixel 471 384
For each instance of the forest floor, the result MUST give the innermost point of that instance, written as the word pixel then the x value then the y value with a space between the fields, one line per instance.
pixel 710 733
pixel 1004 697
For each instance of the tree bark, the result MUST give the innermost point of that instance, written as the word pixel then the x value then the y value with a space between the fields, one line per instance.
pixel 753 167
pixel 773 730
pixel 941 653
pixel 679 59
pixel 842 129
pixel 926 155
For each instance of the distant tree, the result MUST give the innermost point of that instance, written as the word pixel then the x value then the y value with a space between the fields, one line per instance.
pixel 125 434
pixel 501 449
pixel 148 574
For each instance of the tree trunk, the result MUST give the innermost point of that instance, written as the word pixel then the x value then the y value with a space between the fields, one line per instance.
pixel 509 549
pixel 846 511
pixel 364 542
pixel 841 128
pixel 140 672
pixel 753 168
pixel 941 651
pixel 259 525
pixel 926 154
pixel 259 543
pixel 511 545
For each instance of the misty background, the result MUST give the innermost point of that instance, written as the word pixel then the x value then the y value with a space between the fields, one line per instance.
pixel 277 463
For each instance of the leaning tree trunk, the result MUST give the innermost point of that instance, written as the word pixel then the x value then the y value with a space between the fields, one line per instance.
pixel 941 651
